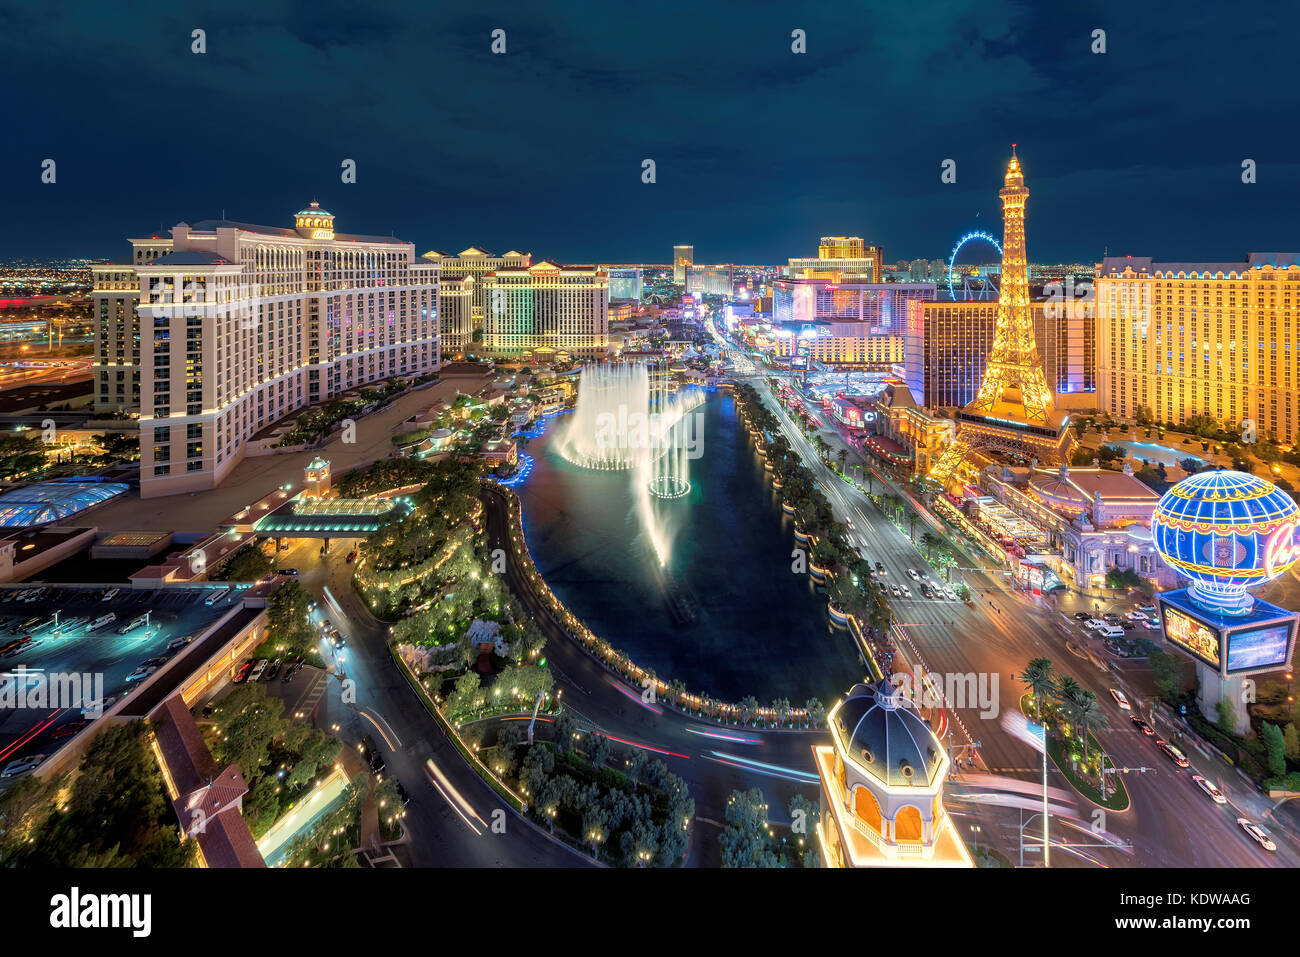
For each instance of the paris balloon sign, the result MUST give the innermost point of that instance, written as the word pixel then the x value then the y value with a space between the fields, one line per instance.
pixel 1229 532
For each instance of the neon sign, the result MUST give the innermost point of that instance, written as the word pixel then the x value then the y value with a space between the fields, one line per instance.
pixel 1282 549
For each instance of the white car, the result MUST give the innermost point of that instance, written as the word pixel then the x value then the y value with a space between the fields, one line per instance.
pixel 21 766
pixel 1136 616
pixel 911 573
pixel 110 594
pixel 1120 699
pixel 144 671
pixel 952 595
pixel 1208 786
pixel 1254 830
pixel 256 673
pixel 1151 625
pixel 1092 624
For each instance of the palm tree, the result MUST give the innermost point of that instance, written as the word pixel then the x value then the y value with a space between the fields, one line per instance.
pixel 843 454
pixel 1087 714
pixel 928 541
pixel 1041 678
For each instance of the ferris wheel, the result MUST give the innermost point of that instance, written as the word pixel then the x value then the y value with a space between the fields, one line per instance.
pixel 988 289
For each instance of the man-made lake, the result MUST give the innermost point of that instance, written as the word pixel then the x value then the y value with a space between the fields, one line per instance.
pixel 758 627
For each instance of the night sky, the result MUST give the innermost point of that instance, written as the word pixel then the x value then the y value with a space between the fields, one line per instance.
pixel 759 151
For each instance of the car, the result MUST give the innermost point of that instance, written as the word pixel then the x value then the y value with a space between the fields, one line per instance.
pixel 880 569
pixel 1120 699
pixel 1136 616
pixel 291 572
pixel 69 729
pixel 1151 625
pixel 1145 606
pixel 326 624
pixel 949 593
pixel 907 592
pixel 1112 618
pixel 274 670
pixel 294 667
pixel 849 523
pixel 96 710
pixel 1209 787
pixel 911 573
pixel 374 757
pixel 176 644
pixel 1142 726
pixel 111 594
pixel 1172 753
pixel 401 793
pixel 1256 834
pixel 258 669
pixel 144 671
pixel 20 766
pixel 352 556
pixel 893 590
pixel 338 640
pixel 1092 624
pixel 1081 616
pixel 242 672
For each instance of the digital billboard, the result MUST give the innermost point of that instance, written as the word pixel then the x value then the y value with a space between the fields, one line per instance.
pixel 1256 648
pixel 1193 636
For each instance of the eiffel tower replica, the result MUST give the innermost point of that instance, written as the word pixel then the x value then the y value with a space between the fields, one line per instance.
pixel 1014 416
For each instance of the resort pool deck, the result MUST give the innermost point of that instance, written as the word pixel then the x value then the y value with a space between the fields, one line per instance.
pixel 1157 454
pixel 308 811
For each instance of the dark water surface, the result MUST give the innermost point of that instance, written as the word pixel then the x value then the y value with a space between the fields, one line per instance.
pixel 759 628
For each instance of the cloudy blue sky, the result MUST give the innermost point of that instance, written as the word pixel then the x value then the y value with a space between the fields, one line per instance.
pixel 759 151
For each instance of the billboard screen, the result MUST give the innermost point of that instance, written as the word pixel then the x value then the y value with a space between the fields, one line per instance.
pixel 1258 648
pixel 1193 636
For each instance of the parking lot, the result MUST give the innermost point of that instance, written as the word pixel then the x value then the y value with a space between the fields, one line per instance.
pixel 109 636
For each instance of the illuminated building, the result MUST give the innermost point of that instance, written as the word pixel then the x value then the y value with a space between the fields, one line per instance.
pixel 547 311
pixel 839 258
pixel 115 295
pixel 1014 412
pixel 882 786
pixel 683 256
pixel 921 435
pixel 1216 339
pixel 1228 532
pixel 711 280
pixel 456 314
pixel 947 344
pixel 240 325
pixel 1090 520
pixel 477 263
pixel 625 282
pixel 843 323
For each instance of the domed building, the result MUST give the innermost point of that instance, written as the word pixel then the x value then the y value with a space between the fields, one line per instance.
pixel 882 786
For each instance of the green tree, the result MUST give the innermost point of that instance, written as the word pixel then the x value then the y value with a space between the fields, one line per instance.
pixel 597 749
pixel 744 838
pixel 1274 748
pixel 1227 716
pixel 1292 741
pixel 1040 675
pixel 247 723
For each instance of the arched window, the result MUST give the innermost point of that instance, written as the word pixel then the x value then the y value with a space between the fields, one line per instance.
pixel 865 808
pixel 908 827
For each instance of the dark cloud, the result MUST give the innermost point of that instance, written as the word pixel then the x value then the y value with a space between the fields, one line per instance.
pixel 759 151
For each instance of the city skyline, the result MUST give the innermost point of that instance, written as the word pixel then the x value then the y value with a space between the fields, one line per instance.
pixel 448 153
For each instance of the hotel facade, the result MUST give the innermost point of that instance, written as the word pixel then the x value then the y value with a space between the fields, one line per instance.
pixel 547 311
pixel 1215 339
pixel 947 344
pixel 236 326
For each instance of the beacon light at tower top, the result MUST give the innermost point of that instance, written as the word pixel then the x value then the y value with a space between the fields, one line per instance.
pixel 1228 532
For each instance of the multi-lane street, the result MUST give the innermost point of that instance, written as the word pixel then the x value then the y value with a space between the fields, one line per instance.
pixel 1170 822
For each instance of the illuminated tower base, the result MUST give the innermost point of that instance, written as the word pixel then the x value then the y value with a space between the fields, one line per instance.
pixel 1014 414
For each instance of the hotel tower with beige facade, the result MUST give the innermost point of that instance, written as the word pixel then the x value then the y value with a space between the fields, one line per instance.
pixel 240 325
pixel 1215 339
